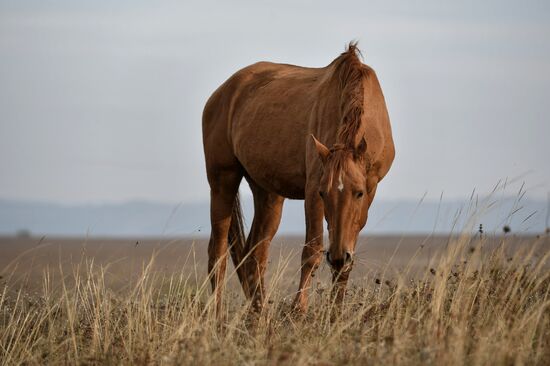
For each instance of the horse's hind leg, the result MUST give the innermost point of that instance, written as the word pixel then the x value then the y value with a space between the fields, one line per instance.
pixel 224 186
pixel 267 216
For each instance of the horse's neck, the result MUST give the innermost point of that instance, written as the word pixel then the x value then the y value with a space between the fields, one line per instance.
pixel 329 117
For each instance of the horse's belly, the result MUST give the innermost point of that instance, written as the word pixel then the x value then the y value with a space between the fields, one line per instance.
pixel 280 171
pixel 286 186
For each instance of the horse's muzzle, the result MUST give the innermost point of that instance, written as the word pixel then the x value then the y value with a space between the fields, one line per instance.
pixel 340 264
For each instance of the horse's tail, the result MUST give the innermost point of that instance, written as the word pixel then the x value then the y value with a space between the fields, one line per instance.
pixel 237 242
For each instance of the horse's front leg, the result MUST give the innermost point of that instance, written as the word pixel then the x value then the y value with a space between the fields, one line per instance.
pixel 339 284
pixel 313 248
pixel 267 216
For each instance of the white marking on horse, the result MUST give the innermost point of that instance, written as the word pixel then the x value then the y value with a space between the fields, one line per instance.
pixel 340 183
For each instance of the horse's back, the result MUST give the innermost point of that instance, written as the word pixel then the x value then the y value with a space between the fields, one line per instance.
pixel 251 86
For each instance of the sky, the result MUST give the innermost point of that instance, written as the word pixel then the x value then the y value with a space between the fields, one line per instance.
pixel 101 101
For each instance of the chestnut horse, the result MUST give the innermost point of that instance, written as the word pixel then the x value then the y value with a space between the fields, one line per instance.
pixel 260 124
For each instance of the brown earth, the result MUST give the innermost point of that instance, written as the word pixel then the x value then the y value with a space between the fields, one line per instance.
pixel 378 257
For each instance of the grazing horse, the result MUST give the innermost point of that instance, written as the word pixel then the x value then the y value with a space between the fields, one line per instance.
pixel 322 135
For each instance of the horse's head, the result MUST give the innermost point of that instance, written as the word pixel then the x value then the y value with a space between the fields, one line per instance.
pixel 343 189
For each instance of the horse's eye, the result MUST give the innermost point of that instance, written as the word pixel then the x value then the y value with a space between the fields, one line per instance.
pixel 359 194
pixel 322 194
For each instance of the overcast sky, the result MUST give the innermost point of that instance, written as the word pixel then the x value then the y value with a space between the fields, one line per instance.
pixel 100 101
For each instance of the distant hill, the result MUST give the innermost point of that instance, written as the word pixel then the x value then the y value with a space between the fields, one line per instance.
pixel 153 219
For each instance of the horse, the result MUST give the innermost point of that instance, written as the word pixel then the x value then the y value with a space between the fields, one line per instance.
pixel 321 135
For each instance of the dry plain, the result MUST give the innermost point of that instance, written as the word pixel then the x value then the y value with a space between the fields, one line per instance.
pixel 387 256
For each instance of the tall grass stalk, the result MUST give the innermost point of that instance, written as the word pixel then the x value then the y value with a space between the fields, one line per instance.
pixel 473 305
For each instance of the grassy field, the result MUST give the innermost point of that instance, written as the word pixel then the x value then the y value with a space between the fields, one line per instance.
pixel 412 300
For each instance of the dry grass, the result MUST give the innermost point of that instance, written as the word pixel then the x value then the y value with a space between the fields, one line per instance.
pixel 472 306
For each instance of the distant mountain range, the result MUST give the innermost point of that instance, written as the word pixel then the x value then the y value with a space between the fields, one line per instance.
pixel 155 219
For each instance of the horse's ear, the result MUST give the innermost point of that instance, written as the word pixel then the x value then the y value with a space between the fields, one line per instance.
pixel 361 148
pixel 322 150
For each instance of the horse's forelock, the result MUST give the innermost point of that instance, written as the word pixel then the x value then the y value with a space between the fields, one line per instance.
pixel 337 162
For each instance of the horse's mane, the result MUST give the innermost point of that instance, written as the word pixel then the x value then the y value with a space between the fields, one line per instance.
pixel 350 73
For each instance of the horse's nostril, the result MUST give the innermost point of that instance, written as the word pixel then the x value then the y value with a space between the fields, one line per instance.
pixel 349 257
pixel 339 262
